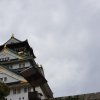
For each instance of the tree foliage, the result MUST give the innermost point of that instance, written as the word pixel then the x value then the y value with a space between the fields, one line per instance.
pixel 4 90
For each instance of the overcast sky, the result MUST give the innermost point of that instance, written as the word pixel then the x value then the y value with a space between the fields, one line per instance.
pixel 65 37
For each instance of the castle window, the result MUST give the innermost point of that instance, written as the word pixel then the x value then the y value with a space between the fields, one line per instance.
pixel 1 79
pixel 18 90
pixel 29 89
pixel 10 66
pixel 23 64
pixel 4 59
pixel 7 58
pixel 5 78
pixel 19 98
pixel 19 65
pixel 14 91
pixel 25 90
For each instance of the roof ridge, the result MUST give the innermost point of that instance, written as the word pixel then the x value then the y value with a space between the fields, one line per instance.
pixel 12 37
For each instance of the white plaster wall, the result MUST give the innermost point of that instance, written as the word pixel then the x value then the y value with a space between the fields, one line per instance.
pixel 22 94
pixel 9 54
pixel 3 55
pixel 15 66
pixel 9 78
pixel 18 95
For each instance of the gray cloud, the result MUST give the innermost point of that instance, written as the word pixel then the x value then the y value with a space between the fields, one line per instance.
pixel 65 37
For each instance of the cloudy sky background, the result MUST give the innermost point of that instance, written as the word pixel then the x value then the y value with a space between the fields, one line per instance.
pixel 65 36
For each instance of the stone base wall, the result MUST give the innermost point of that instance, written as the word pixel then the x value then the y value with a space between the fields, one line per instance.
pixel 90 96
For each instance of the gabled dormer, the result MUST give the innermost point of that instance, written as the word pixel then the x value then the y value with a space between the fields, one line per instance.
pixel 12 40
pixel 7 54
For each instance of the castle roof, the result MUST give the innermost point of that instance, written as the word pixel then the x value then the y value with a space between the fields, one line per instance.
pixel 34 74
pixel 14 43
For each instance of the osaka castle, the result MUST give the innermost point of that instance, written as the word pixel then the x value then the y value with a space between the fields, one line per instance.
pixel 17 64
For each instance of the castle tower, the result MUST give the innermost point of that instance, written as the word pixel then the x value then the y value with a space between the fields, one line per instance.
pixel 16 56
